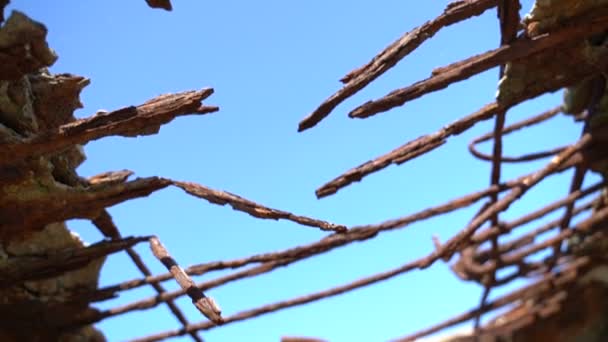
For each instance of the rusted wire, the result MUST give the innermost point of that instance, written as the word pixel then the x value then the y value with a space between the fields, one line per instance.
pixel 576 30
pixel 515 127
pixel 108 228
pixel 535 290
pixel 206 305
pixel 359 78
pixel 420 263
pixel 252 208
pixel 358 233
pixel 273 260
pixel 417 264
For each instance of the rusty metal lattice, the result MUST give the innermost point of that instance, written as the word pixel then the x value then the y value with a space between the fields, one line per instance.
pixel 482 248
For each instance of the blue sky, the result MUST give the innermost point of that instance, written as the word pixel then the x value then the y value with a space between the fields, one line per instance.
pixel 271 63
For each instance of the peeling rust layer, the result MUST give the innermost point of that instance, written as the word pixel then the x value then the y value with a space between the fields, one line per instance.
pixel 132 121
pixel 19 216
pixel 26 268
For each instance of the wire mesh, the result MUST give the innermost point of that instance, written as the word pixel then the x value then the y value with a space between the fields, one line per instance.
pixel 484 250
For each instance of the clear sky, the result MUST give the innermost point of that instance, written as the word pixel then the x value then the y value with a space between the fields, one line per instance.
pixel 271 63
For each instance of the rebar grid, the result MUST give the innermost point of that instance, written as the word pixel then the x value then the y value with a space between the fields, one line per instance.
pixel 482 246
